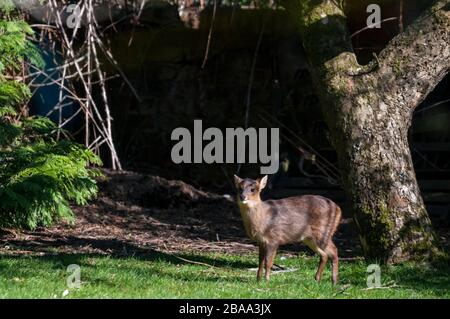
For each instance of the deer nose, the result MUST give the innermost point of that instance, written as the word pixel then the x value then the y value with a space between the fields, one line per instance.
pixel 242 196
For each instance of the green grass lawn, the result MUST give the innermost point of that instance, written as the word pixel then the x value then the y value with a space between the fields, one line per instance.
pixel 160 275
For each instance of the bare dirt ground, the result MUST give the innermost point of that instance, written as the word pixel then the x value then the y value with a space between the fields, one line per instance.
pixel 136 214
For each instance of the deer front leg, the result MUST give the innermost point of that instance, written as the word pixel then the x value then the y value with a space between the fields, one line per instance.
pixel 262 255
pixel 271 251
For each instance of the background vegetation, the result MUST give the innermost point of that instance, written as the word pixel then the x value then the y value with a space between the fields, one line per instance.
pixel 39 175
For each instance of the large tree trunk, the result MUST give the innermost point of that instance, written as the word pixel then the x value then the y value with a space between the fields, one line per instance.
pixel 370 136
pixel 368 110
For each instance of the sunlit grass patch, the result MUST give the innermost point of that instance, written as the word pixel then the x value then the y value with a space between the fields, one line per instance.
pixel 160 275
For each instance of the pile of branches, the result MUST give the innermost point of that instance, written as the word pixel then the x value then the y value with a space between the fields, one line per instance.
pixel 72 32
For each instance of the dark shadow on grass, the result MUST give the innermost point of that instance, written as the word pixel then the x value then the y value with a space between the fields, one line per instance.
pixel 435 277
pixel 119 249
pixel 61 261
pixel 424 278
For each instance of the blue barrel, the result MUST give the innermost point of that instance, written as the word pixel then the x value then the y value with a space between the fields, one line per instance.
pixel 46 97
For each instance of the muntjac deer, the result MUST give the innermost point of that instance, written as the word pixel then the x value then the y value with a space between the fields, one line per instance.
pixel 309 219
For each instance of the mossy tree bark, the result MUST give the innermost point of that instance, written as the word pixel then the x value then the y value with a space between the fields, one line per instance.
pixel 368 110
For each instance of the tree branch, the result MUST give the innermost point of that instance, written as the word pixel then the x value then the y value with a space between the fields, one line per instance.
pixel 415 61
pixel 410 66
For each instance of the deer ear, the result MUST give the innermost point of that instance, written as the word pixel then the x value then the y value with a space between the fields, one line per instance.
pixel 237 180
pixel 262 182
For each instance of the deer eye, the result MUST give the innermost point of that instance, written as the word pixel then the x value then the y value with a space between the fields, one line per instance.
pixel 252 189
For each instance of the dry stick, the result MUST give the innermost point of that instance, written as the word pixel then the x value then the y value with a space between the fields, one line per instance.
pixel 42 72
pixel 63 79
pixel 74 115
pixel 332 178
pixel 113 24
pixel 186 260
pixel 137 18
pixel 62 106
pixel 85 86
pixel 111 18
pixel 311 149
pixel 102 81
pixel 342 290
pixel 192 261
pixel 226 176
pixel 115 163
pixel 208 44
pixel 53 81
pixel 73 96
pixel 77 25
pixel 65 66
pixel 43 26
pixel 372 26
pixel 57 68
pixel 432 105
pixel 111 59
pixel 75 62
pixel 426 160
pixel 59 105
pixel 141 9
pixel 329 172
pixel 70 76
pixel 60 100
pixel 56 107
pixel 97 142
pixel 95 145
pixel 394 285
pixel 83 108
pixel 235 4
pixel 252 74
pixel 333 169
pixel 89 84
pixel 400 17
pixel 103 90
pixel 250 81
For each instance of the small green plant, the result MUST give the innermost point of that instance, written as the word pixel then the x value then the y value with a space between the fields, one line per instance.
pixel 39 176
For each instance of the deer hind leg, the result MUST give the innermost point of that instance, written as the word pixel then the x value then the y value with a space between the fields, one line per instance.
pixel 270 252
pixel 323 258
pixel 322 263
pixel 332 252
pixel 262 257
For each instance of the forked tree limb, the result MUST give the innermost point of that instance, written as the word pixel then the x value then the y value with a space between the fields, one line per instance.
pixel 411 65
pixel 415 61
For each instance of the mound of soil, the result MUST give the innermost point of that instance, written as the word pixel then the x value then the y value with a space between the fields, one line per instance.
pixel 134 212
pixel 137 213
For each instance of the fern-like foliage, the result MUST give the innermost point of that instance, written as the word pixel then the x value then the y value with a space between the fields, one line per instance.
pixel 39 176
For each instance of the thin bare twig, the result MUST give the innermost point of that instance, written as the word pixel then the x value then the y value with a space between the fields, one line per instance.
pixel 211 28
pixel 372 26
pixel 250 81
